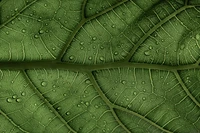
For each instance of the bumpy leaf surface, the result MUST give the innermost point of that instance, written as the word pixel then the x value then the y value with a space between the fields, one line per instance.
pixel 95 66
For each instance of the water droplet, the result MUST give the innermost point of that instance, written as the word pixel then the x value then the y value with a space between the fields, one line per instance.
pixel 86 91
pixel 27 21
pixel 64 94
pixel 79 105
pixel 36 36
pixel 188 77
pixel 87 103
pixel 94 38
pixel 150 47
pixel 101 58
pixel 39 20
pixel 143 98
pixel 53 48
pixel 68 113
pixel 14 96
pixel 135 93
pixel 23 93
pixel 81 48
pixel 16 9
pixel 7 32
pixel 197 37
pixel 9 100
pixel 71 57
pixel 123 82
pixel 23 30
pixel 90 58
pixel 43 83
pixel 162 40
pixel 58 108
pixel 87 81
pixel 129 105
pixel 50 118
pixel 12 22
pixel 18 100
pixel 143 82
pixel 90 8
pixel 45 5
pixel 147 53
pixel 96 106
pixel 113 26
pixel 115 53
pixel 41 31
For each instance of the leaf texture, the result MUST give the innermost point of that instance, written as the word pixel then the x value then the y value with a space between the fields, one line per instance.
pixel 87 66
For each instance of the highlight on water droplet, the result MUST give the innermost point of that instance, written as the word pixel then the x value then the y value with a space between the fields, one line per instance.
pixel 123 82
pixel 94 38
pixel 23 93
pixel 147 53
pixel 101 58
pixel 197 36
pixel 67 113
pixel 36 36
pixel 9 100
pixel 23 30
pixel 14 96
pixel 43 83
pixel 41 31
pixel 87 81
pixel 71 57
pixel 18 100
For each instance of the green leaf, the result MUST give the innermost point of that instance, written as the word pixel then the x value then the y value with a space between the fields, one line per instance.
pixel 99 66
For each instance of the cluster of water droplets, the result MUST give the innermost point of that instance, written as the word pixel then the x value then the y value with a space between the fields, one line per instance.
pixel 15 98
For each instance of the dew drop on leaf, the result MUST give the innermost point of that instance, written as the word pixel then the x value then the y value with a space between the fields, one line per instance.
pixel 36 36
pixel 96 106
pixel 7 32
pixel 90 58
pixel 87 103
pixel 134 93
pixel 23 30
pixel 129 105
pixel 113 26
pixel 23 93
pixel 143 98
pixel 147 53
pixel 71 57
pixel 9 100
pixel 58 108
pixel 123 82
pixel 197 36
pixel 94 38
pixel 18 100
pixel 87 81
pixel 41 31
pixel 115 53
pixel 12 22
pixel 64 94
pixel 14 96
pixel 43 83
pixel 68 113
pixel 101 58
pixel 53 48
pixel 143 82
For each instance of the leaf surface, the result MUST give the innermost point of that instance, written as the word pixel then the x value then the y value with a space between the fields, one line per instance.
pixel 121 66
